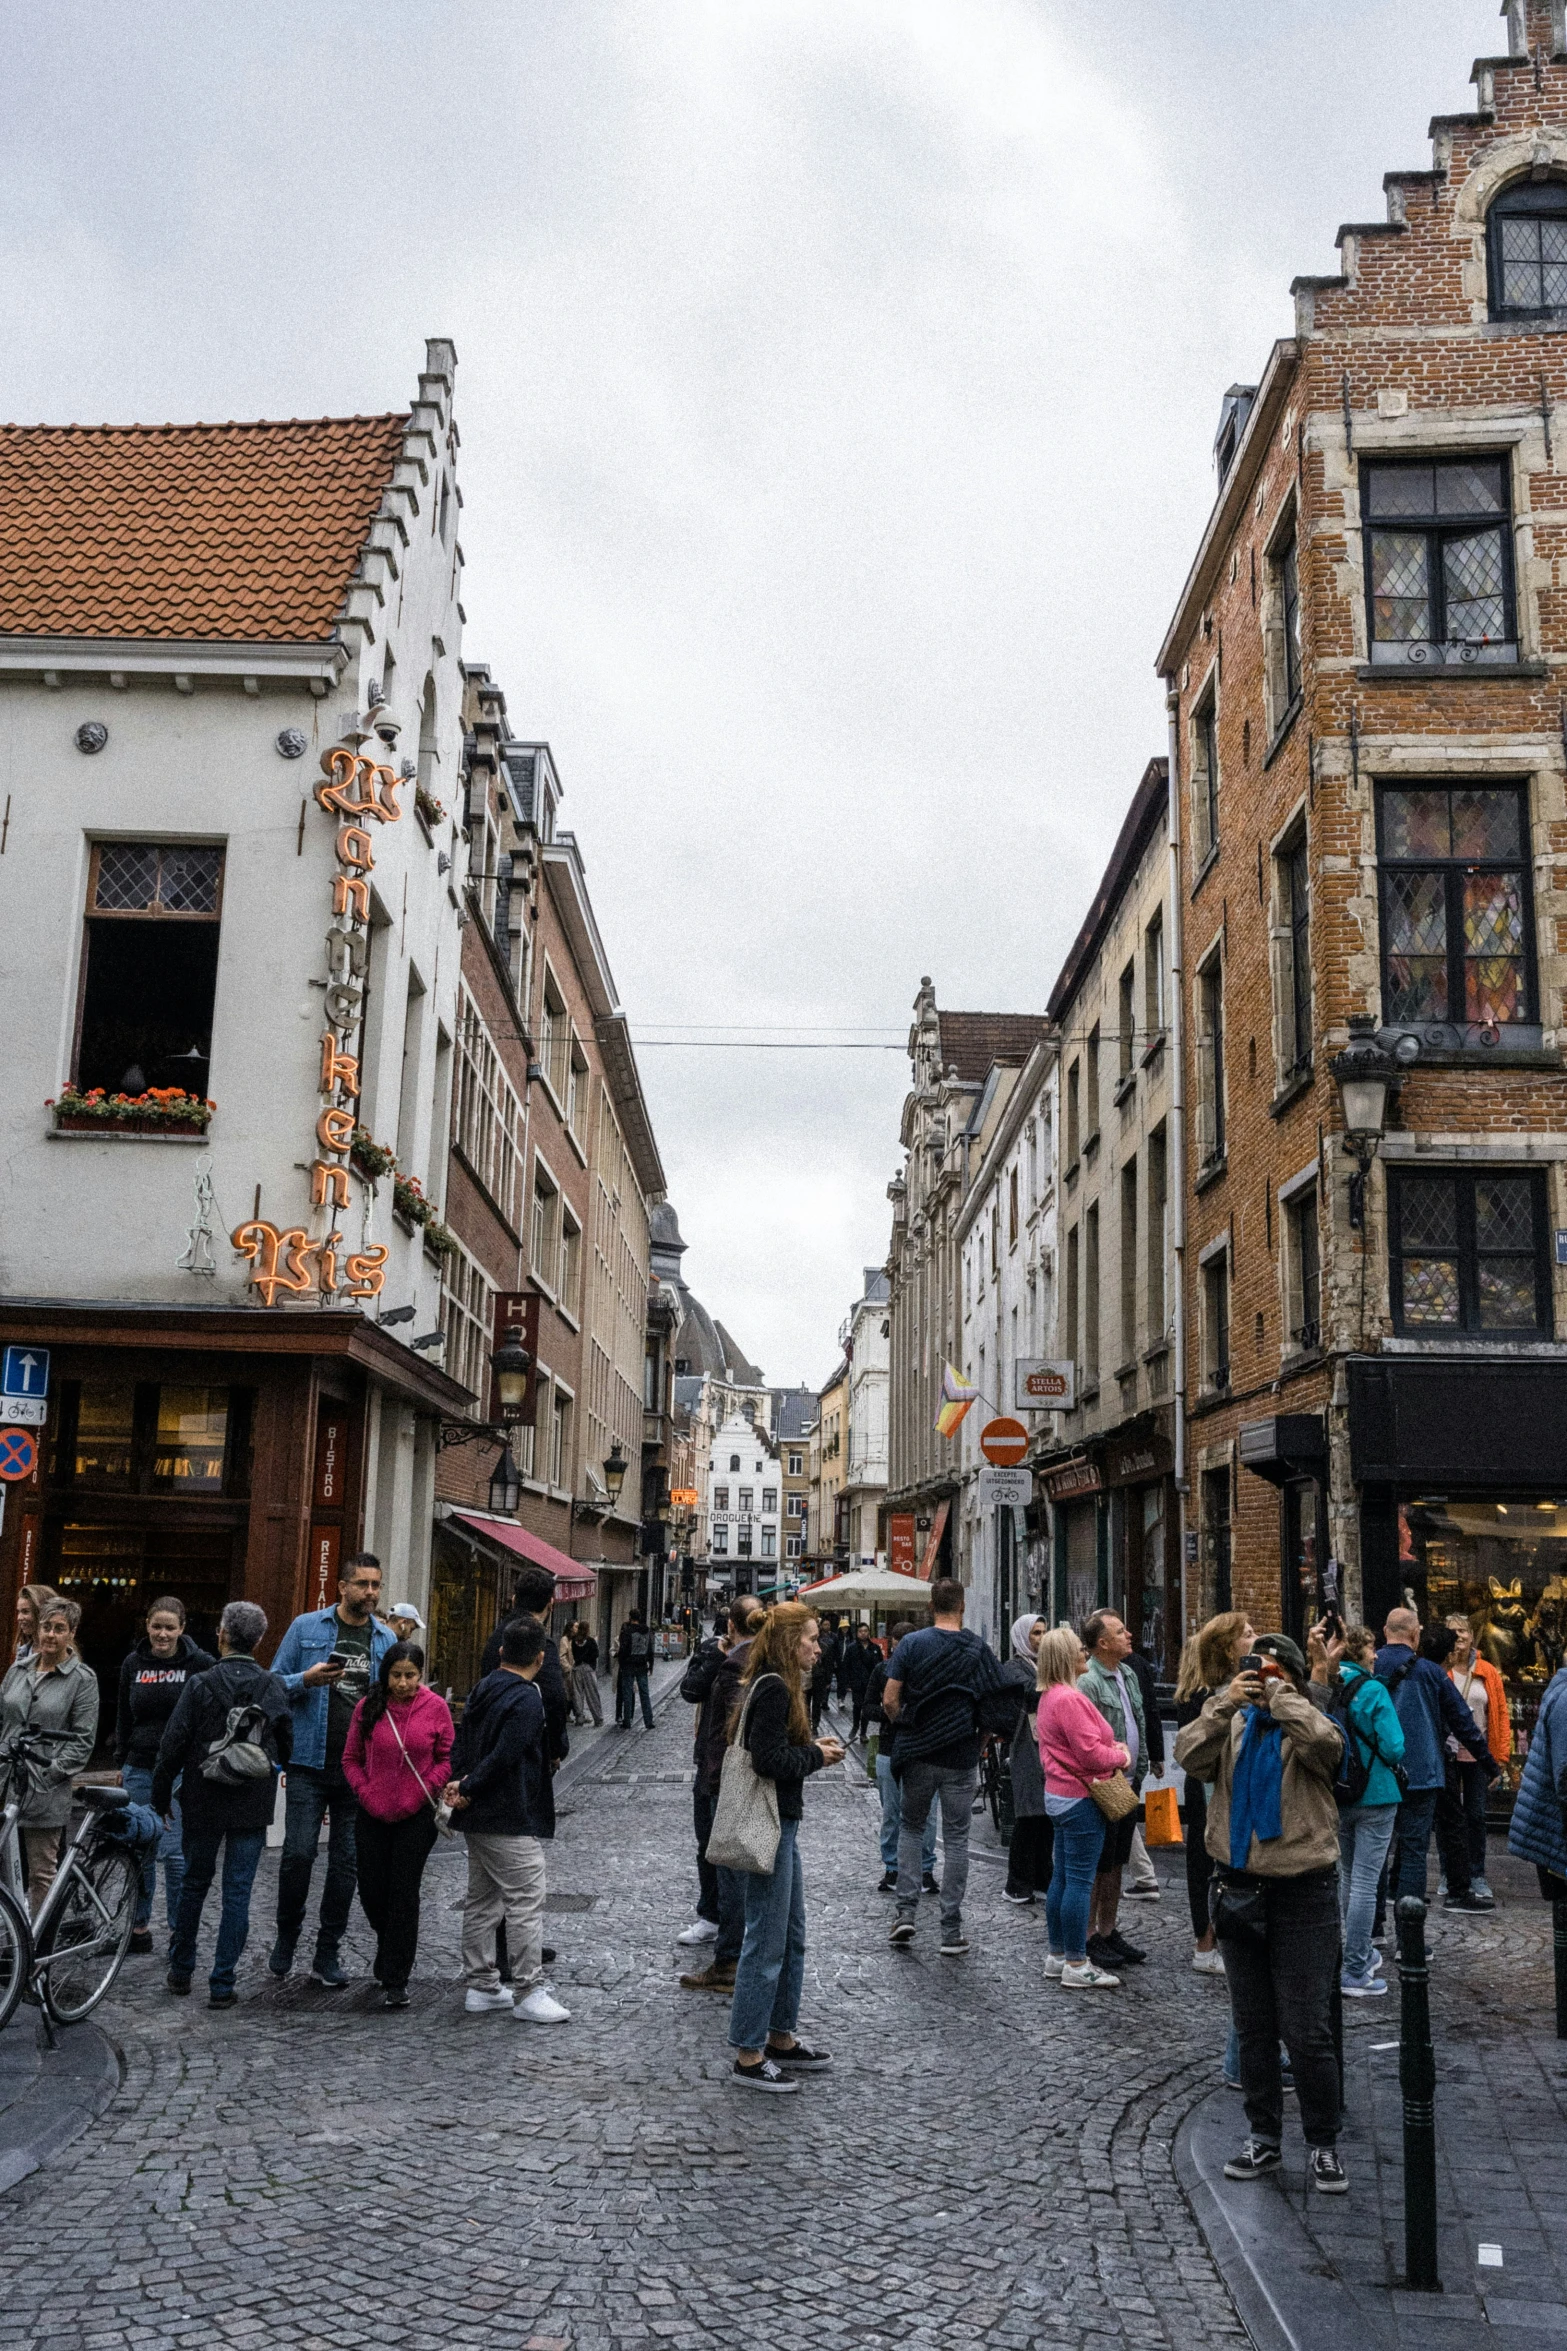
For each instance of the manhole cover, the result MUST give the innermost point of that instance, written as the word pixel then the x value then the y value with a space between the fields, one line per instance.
pixel 569 1901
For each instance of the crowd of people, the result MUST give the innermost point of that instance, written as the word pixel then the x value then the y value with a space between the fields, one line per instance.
pixel 1314 1786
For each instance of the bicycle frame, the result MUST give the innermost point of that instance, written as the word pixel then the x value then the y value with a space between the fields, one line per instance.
pixel 66 1874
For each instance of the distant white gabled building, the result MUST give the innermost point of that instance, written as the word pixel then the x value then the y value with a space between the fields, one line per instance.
pixel 745 1505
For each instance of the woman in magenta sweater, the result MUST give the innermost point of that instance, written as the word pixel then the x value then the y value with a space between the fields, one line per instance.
pixel 1075 1749
pixel 397 1760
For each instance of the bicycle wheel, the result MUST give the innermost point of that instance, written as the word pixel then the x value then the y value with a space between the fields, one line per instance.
pixel 80 1950
pixel 16 1955
pixel 993 1792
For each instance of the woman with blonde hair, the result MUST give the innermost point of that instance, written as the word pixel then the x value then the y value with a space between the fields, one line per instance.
pixel 1075 1749
pixel 1208 1663
pixel 30 1601
pixel 773 1723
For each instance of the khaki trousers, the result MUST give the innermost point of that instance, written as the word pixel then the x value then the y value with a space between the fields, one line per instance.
pixel 505 1881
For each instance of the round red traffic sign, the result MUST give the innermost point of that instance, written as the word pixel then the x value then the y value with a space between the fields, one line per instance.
pixel 18 1452
pixel 1004 1442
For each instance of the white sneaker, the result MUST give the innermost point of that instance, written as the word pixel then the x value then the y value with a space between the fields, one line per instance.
pixel 1085 1977
pixel 1054 1963
pixel 1208 1962
pixel 542 2007
pixel 480 2003
pixel 702 1930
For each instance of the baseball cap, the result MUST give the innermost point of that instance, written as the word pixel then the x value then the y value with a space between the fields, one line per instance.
pixel 406 1608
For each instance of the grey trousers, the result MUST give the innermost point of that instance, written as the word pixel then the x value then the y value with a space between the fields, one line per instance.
pixel 924 1784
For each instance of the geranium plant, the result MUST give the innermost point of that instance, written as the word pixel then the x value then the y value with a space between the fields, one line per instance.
pixel 372 1159
pixel 158 1109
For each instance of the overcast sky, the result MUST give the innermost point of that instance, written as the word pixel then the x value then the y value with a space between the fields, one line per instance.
pixel 837 384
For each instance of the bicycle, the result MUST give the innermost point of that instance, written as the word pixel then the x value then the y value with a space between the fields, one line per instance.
pixel 67 1957
pixel 995 1784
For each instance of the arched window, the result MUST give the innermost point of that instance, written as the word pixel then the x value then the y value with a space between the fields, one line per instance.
pixel 1527 233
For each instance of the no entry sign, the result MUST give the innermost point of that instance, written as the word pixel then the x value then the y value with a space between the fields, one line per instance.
pixel 1004 1442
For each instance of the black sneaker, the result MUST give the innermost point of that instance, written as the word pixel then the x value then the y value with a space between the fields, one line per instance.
pixel 800 2055
pixel 889 1883
pixel 1101 1951
pixel 928 1883
pixel 548 1956
pixel 395 1996
pixel 902 1931
pixel 280 1958
pixel 223 2000
pixel 1328 2175
pixel 328 1974
pixel 140 1944
pixel 765 2076
pixel 1470 1901
pixel 1255 2158
pixel 954 1944
pixel 1128 1953
pixel 178 1983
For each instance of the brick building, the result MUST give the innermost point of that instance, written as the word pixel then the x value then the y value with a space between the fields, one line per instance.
pixel 1365 674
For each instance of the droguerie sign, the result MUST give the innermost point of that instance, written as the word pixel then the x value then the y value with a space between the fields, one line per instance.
pixel 360 792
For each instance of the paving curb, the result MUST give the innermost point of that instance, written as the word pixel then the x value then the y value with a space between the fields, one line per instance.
pixel 60 2092
pixel 1272 2267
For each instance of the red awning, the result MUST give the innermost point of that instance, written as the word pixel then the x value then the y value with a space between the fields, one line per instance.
pixel 573 1579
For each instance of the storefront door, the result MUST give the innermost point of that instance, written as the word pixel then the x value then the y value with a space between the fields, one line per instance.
pixel 1301 1558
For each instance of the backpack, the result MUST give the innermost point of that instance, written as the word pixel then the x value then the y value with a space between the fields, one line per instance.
pixel 1354 1771
pixel 237 1755
pixel 639 1646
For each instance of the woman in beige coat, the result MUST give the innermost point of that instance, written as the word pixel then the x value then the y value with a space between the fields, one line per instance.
pixel 53 1690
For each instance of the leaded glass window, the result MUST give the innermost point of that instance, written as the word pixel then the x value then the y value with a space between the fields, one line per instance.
pixel 1457 945
pixel 1439 561
pixel 1469 1251
pixel 1528 250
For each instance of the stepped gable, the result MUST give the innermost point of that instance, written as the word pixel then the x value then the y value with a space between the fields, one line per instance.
pixel 973 1042
pixel 231 532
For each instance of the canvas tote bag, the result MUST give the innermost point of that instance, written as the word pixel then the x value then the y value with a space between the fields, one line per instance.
pixel 744 1834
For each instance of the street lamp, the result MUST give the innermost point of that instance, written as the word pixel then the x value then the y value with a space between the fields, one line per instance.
pixel 615 1471
pixel 505 1485
pixel 1368 1076
pixel 511 1364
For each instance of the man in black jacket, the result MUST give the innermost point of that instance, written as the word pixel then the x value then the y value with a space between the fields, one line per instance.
pixel 504 1803
pixel 633 1665
pixel 712 1684
pixel 218 1811
pixel 535 1597
pixel 859 1661
pixel 151 1679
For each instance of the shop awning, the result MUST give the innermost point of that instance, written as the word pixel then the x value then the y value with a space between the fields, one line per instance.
pixel 574 1578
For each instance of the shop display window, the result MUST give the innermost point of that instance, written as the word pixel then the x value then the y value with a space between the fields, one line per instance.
pixel 105 1449
pixel 1504 1566
pixel 192 1435
pixel 142 1438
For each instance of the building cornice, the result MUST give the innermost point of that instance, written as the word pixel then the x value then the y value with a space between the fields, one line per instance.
pixel 319 664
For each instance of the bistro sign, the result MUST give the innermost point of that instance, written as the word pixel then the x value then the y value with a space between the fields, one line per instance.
pixel 359 792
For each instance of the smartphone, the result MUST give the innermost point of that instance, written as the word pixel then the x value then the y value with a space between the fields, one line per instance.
pixel 1332 1624
pixel 1269 1668
pixel 340 1658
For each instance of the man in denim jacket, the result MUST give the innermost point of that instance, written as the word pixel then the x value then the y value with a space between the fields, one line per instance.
pixel 323 1696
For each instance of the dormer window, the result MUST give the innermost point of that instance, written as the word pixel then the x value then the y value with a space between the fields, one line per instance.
pixel 1527 236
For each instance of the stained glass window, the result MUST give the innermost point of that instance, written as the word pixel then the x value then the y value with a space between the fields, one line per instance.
pixel 1438 561
pixel 1455 914
pixel 1468 1251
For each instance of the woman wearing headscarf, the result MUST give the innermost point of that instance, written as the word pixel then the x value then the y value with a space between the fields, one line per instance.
pixel 1031 1852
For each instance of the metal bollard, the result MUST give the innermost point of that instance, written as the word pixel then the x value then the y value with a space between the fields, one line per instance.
pixel 1417 2080
pixel 1559 1939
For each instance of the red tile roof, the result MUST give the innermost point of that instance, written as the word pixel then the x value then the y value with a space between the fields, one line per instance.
pixel 229 531
pixel 971 1041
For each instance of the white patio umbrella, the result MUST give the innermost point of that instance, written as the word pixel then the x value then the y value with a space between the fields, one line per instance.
pixel 868 1587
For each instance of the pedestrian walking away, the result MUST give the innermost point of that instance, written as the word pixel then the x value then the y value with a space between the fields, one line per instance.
pixel 1113 1686
pixel 1210 1661
pixel 712 1684
pixel 937 1684
pixel 504 1804
pixel 1429 1708
pixel 860 1660
pixel 1480 1687
pixel 774 1726
pixel 633 1664
pixel 53 1690
pixel 1271 1758
pixel 1076 1749
pixel 1364 1711
pixel 883 1734
pixel 398 1762
pixel 534 1596
pixel 326 1661
pixel 1031 1854
pixel 585 1672
pixel 151 1680
pixel 231 1732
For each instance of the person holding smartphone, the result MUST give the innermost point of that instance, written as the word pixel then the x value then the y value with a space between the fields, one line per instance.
pixel 326 1661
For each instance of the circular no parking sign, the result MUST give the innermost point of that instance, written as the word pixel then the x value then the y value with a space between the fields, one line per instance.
pixel 18 1452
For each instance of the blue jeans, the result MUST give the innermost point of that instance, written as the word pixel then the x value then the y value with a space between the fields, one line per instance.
pixel 242 1850
pixel 925 1785
pixel 630 1688
pixel 1079 1838
pixel 309 1797
pixel 1416 1816
pixel 136 1779
pixel 891 1812
pixel 771 1973
pixel 1364 1834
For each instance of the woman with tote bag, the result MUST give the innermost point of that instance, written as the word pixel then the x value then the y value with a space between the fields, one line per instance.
pixel 771 1742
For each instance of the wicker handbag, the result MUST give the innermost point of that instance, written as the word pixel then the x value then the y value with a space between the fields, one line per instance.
pixel 1115 1797
pixel 745 1832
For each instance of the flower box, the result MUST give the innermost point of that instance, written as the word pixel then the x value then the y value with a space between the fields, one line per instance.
pixel 159 1110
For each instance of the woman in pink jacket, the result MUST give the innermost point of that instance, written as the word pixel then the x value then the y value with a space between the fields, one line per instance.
pixel 1075 1749
pixel 397 1761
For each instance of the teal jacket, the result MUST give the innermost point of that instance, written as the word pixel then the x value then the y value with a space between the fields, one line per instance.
pixel 1374 1717
pixel 1104 1691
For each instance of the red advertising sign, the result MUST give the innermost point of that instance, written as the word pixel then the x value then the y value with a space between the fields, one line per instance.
pixel 326 1548
pixel 1076 1477
pixel 900 1542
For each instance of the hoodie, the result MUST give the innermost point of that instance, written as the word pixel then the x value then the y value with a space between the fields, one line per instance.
pixel 201 1716
pixel 150 1689
pixel 500 1762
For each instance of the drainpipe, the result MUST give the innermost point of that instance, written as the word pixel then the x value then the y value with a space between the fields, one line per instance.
pixel 1175 1012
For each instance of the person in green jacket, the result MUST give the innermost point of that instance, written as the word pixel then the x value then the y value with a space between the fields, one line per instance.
pixel 1365 1830
pixel 1109 1683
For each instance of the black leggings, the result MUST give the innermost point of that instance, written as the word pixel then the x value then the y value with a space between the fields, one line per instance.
pixel 1199 1861
pixel 1031 1854
pixel 390 1857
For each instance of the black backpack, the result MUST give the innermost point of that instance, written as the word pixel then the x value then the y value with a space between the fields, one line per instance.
pixel 639 1646
pixel 1354 1771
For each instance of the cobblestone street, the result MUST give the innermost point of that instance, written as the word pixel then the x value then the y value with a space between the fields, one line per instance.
pixel 987 2162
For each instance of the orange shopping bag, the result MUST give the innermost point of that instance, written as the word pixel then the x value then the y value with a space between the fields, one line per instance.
pixel 1162 1820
